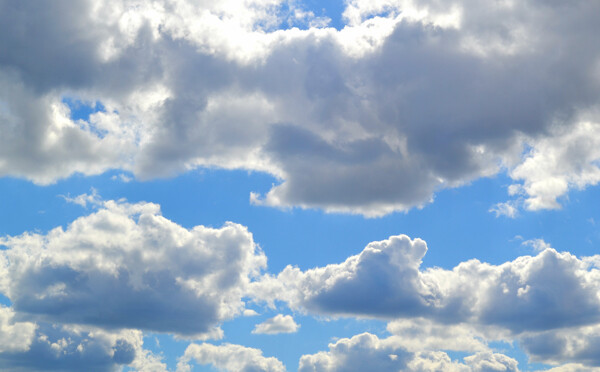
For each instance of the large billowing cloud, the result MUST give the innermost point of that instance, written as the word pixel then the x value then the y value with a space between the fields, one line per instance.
pixel 410 97
pixel 532 293
pixel 126 266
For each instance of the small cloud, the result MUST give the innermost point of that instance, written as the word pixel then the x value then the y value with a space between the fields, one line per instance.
pixel 250 312
pixel 84 199
pixel 538 245
pixel 508 209
pixel 278 324
pixel 122 177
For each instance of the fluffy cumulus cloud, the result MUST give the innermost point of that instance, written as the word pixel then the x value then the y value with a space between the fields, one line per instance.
pixel 278 324
pixel 550 290
pixel 126 266
pixel 368 352
pixel 75 348
pixel 409 98
pixel 549 301
pixel 229 357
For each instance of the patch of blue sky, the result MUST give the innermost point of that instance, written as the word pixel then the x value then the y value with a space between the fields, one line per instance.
pixel 81 110
pixel 332 9
pixel 309 13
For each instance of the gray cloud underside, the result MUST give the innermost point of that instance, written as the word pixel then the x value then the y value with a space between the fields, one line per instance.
pixel 370 119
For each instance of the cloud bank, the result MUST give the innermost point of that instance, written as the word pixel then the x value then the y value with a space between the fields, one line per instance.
pixel 409 98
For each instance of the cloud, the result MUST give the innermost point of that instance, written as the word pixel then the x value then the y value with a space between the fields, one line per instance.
pixel 538 245
pixel 548 303
pixel 564 160
pixel 508 209
pixel 278 324
pixel 14 336
pixel 229 357
pixel 368 352
pixel 548 291
pixel 68 348
pixel 126 266
pixel 574 367
pixel 576 344
pixel 420 334
pixel 84 200
pixel 409 98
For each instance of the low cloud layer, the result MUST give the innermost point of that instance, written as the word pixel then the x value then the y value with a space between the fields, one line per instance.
pixel 126 266
pixel 409 98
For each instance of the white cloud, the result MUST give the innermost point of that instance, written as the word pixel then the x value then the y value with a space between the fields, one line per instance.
pixel 126 266
pixel 548 291
pixel 548 303
pixel 421 334
pixel 84 199
pixel 278 324
pixel 566 159
pixel 538 245
pixel 14 336
pixel 75 348
pixel 489 362
pixel 409 98
pixel 573 367
pixel 366 352
pixel 229 357
pixel 508 209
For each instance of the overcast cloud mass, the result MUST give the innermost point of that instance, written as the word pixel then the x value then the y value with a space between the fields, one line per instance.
pixel 373 116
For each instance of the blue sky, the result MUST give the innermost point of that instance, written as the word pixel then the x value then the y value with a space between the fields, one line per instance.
pixel 276 185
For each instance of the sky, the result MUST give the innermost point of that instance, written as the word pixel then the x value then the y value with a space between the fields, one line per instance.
pixel 287 185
